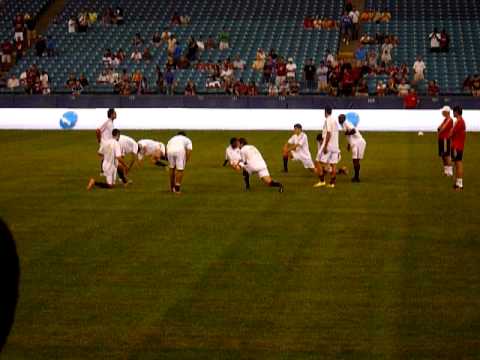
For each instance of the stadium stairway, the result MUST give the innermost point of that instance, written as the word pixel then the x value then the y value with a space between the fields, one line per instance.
pixel 55 9
pixel 347 52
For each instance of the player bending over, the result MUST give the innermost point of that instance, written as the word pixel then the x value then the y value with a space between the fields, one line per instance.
pixel 444 148
pixel 127 146
pixel 153 149
pixel 297 149
pixel 232 154
pixel 329 152
pixel 179 152
pixel 457 136
pixel 356 143
pixel 253 162
pixel 111 155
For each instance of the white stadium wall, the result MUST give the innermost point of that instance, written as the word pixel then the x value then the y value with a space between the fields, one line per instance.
pixel 222 119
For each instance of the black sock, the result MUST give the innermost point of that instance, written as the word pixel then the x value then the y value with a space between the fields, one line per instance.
pixel 285 163
pixel 333 180
pixel 357 171
pixel 322 177
pixel 246 178
pixel 101 166
pixel 160 163
pixel 101 185
pixel 121 175
pixel 274 183
pixel 225 163
pixel 177 188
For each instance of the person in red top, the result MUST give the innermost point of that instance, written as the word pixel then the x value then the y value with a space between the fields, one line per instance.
pixel 411 100
pixel 444 147
pixel 281 72
pixel 457 136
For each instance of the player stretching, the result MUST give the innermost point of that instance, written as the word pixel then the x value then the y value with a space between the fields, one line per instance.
pixel 127 146
pixel 252 162
pixel 297 149
pixel 104 132
pixel 111 157
pixel 444 147
pixel 457 136
pixel 179 151
pixel 356 143
pixel 329 152
pixel 232 154
pixel 154 149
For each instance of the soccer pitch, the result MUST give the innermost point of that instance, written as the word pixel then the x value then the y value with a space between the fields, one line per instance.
pixel 388 268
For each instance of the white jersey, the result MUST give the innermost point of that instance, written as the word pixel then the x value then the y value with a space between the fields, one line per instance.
pixel 251 156
pixel 330 126
pixel 303 150
pixel 233 155
pixel 110 149
pixel 354 139
pixel 179 144
pixel 106 130
pixel 128 145
pixel 150 148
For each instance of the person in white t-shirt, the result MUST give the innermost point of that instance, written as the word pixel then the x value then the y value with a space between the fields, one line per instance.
pixel 252 162
pixel 356 143
pixel 153 149
pixel 128 146
pixel 104 132
pixel 329 151
pixel 179 152
pixel 419 69
pixel 297 149
pixel 435 37
pixel 232 154
pixel 291 69
pixel 111 155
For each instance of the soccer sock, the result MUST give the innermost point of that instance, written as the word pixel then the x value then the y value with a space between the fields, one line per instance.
pixel 450 170
pixel 160 163
pixel 246 178
pixel 333 180
pixel 285 163
pixel 274 183
pixel 101 185
pixel 459 182
pixel 322 177
pixel 121 175
pixel 177 187
pixel 357 171
pixel 225 163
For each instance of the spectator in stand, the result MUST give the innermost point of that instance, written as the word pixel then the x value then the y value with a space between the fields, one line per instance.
pixel 72 25
pixel 362 88
pixel 346 28
pixel 171 44
pixel 19 50
pixel 118 16
pixel 259 62
pixel 107 58
pixel 50 46
pixel 238 63
pixel 322 77
pixel 403 88
pixel 166 34
pixel 372 60
pixel 31 32
pixel 475 85
pixel 309 73
pixel 103 77
pixel 361 54
pixel 19 28
pixel 183 63
pixel 252 89
pixel 381 88
pixel 411 100
pixel 347 82
pixel 281 71
pixel 83 81
pixel 308 23
pixel 72 80
pixel 137 40
pixel 77 88
pixel 240 88
pixel 433 88
pixel 192 49
pixel 40 46
pixel 175 20
pixel 434 40
pixel 291 69
pixel 200 46
pixel 330 59
pixel 354 14
pixel 392 87
pixel 210 43
pixel 418 70
pixel 169 81
pixel 272 89
pixel 444 41
pixel 157 39
pixel 160 80
pixel 82 22
pixel 184 20
pixel 13 82
pixel 136 56
pixel 387 52
pixel 467 84
pixel 177 54
pixel 224 39
pixel 92 17
pixel 348 6
pixel 268 70
pixel 190 89
pixel 147 55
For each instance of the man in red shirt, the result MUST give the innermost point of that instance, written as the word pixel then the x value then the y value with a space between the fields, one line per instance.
pixel 444 147
pixel 457 136
pixel 411 100
pixel 281 72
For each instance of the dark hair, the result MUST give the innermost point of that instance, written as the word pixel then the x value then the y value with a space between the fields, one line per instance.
pixel 297 126
pixel 457 109
pixel 243 141
pixel 233 140
pixel 328 110
pixel 110 112
pixel 182 133
pixel 342 118
pixel 115 132
pixel 10 274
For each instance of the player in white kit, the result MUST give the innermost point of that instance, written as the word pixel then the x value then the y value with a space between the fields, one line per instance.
pixel 297 149
pixel 179 152
pixel 356 143
pixel 128 146
pixel 232 154
pixel 111 155
pixel 253 162
pixel 104 132
pixel 153 149
pixel 329 152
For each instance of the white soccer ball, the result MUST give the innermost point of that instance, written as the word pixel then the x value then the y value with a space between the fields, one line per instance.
pixel 420 133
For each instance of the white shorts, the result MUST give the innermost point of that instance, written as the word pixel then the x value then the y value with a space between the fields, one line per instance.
pixel 330 157
pixel 110 177
pixel 358 150
pixel 176 160
pixel 262 172
pixel 306 161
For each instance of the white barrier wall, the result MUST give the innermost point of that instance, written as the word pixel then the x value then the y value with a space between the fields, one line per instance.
pixel 223 119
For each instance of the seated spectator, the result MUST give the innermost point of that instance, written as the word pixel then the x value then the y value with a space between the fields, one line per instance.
pixel 367 40
pixel 50 46
pixel 347 83
pixel 433 88
pixel 40 46
pixel 137 40
pixel 475 85
pixel 175 20
pixel 240 88
pixel 192 49
pixel 166 34
pixel 77 88
pixel 467 84
pixel 171 44
pixel 146 56
pixel 259 62
pixel 13 82
pixel 137 77
pixel 293 87
pixel 72 80
pixel 224 39
pixel 190 89
pixel 177 53
pixel 92 17
pixel 403 88
pixel 386 52
pixel 227 71
pixel 444 41
pixel 380 88
pixel 108 16
pixel 372 60
pixel 107 58
pixel 392 87
pixel 118 16
pixel 210 43
pixel 434 40
pixel 19 50
pixel 157 39
pixel 272 90
pixel 72 25
pixel 103 78
pixel 200 45
pixel 238 63
pixel 362 88
pixel 136 56
pixel 82 22
pixel 83 81
pixel 308 23
pixel 273 54
pixel 330 59
pixel 183 62
pixel 252 89
pixel 411 100
pixel 184 20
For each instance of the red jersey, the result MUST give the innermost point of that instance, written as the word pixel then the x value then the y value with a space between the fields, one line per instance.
pixel 458 134
pixel 410 101
pixel 445 133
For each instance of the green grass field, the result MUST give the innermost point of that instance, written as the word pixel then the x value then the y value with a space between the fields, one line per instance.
pixel 385 269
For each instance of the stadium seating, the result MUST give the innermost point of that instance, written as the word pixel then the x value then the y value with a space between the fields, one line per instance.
pixel 252 24
pixel 413 20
